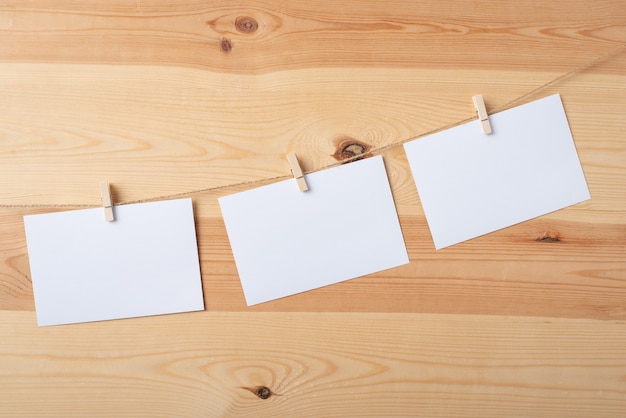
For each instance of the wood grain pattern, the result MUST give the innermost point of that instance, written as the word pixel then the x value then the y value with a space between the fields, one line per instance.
pixel 304 34
pixel 315 364
pixel 563 272
pixel 165 98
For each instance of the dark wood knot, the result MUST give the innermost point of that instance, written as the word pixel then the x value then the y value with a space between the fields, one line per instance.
pixel 246 24
pixel 226 45
pixel 549 236
pixel 352 150
pixel 263 392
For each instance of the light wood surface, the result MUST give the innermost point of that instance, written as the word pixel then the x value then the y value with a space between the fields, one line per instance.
pixel 314 364
pixel 166 99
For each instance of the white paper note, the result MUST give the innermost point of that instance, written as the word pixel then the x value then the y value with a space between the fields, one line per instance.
pixel 471 184
pixel 285 241
pixel 86 269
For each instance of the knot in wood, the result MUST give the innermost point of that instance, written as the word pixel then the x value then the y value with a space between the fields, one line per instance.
pixel 349 148
pixel 549 236
pixel 246 24
pixel 352 150
pixel 263 392
pixel 226 45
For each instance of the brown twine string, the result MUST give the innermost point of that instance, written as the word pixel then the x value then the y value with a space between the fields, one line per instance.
pixel 378 150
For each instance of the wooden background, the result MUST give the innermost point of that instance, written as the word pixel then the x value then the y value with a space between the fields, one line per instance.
pixel 165 98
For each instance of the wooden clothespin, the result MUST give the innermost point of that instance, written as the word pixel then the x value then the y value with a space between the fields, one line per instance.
pixel 479 104
pixel 297 172
pixel 107 202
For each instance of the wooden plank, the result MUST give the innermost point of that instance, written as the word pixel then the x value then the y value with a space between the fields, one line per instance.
pixel 314 364
pixel 265 36
pixel 541 268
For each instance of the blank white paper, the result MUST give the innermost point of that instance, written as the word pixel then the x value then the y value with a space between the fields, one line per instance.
pixel 285 241
pixel 143 263
pixel 471 184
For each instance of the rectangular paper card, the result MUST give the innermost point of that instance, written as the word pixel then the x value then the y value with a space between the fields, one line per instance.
pixel 285 241
pixel 143 263
pixel 471 184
